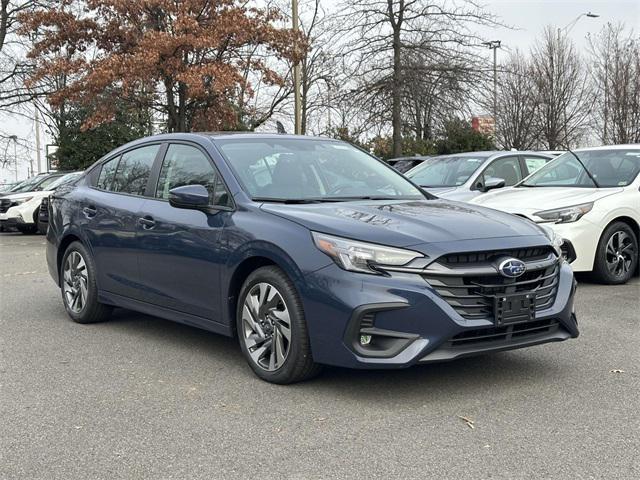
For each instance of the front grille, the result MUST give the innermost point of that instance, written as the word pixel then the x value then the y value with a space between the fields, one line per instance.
pixel 472 295
pixel 504 334
pixel 474 258
pixel 4 205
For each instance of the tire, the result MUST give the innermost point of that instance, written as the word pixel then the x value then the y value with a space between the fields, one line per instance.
pixel 27 229
pixel 75 261
pixel 266 300
pixel 617 254
pixel 42 227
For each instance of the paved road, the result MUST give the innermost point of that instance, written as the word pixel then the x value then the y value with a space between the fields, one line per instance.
pixel 140 397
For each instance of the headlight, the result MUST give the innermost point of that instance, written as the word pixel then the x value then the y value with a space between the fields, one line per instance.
pixel 565 215
pixel 21 201
pixel 555 239
pixel 360 256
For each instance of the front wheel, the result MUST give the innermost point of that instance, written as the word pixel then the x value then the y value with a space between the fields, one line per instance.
pixel 272 329
pixel 617 254
pixel 78 286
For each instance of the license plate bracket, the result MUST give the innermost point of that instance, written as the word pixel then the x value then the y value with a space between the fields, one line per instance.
pixel 514 308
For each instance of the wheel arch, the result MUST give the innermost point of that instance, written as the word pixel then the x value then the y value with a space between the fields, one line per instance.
pixel 62 248
pixel 633 224
pixel 257 256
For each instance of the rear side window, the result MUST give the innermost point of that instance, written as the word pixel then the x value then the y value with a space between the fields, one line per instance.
pixel 134 169
pixel 535 163
pixel 186 165
pixel 107 172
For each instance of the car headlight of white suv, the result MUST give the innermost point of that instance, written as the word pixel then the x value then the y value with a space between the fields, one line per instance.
pixel 566 214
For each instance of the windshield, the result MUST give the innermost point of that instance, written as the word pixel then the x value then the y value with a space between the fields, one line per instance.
pixel 26 185
pixel 306 169
pixel 609 168
pixel 445 171
pixel 64 180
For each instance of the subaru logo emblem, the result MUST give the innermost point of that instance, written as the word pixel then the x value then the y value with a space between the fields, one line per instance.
pixel 512 267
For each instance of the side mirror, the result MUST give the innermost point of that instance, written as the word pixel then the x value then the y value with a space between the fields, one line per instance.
pixel 189 196
pixel 492 183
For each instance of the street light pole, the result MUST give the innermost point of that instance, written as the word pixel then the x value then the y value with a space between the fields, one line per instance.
pixel 494 45
pixel 296 75
pixel 567 28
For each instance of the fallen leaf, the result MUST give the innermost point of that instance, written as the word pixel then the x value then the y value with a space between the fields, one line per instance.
pixel 468 421
pixel 320 419
pixel 615 370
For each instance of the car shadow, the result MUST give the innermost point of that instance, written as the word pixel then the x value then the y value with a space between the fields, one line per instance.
pixel 472 375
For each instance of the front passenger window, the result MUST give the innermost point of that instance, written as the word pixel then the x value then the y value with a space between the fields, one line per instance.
pixel 507 168
pixel 187 165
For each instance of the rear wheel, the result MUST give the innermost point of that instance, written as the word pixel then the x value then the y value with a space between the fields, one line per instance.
pixel 617 254
pixel 272 329
pixel 78 286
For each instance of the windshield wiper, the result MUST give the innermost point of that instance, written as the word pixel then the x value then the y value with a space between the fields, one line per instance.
pixel 286 200
pixel 585 169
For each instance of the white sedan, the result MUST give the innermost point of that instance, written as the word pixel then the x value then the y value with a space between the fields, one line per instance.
pixel 591 199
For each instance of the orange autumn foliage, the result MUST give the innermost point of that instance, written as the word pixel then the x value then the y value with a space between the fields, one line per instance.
pixel 186 59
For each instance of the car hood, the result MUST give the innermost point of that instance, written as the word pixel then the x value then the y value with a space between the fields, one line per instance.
pixel 405 223
pixel 526 200
pixel 20 196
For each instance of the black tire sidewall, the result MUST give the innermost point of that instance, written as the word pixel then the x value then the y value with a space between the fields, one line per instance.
pixel 299 345
pixel 601 271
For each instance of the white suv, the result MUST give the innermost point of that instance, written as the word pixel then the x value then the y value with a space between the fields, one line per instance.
pixel 20 210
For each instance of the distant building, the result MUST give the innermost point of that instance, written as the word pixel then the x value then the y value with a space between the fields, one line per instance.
pixel 484 124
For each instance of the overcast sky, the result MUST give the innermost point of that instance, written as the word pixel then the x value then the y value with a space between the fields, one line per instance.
pixel 529 17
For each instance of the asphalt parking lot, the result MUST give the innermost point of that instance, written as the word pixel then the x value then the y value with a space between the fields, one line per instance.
pixel 140 397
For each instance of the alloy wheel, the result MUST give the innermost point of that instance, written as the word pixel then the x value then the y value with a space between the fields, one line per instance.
pixel 75 280
pixel 620 253
pixel 266 326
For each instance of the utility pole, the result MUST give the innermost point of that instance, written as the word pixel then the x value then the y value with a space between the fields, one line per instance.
pixel 37 119
pixel 494 45
pixel 296 75
pixel 14 138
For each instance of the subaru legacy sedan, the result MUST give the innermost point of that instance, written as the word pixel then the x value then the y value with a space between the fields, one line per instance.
pixel 308 250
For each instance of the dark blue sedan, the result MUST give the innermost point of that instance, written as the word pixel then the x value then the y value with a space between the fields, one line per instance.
pixel 308 250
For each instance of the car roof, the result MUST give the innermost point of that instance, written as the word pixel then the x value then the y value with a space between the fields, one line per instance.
pixel 627 146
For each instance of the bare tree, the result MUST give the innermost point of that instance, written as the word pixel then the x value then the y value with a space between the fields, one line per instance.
pixel 562 90
pixel 615 60
pixel 380 32
pixel 516 125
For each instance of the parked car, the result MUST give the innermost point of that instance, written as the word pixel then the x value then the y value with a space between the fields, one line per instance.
pixel 464 176
pixel 6 187
pixel 404 164
pixel 590 198
pixel 310 251
pixel 20 195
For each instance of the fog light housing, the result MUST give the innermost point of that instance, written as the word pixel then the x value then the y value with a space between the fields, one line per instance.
pixel 365 339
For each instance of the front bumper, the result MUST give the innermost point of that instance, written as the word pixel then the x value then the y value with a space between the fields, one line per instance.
pixel 584 237
pixel 413 323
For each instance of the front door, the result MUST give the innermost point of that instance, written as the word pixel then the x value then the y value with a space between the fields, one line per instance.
pixel 180 257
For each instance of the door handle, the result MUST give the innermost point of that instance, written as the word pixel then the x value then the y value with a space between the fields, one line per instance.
pixel 147 222
pixel 90 211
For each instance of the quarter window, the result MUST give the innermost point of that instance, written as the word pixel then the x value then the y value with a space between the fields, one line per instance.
pixel 134 169
pixel 186 165
pixel 107 173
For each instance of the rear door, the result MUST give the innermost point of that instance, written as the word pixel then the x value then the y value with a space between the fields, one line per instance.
pixel 180 252
pixel 109 215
